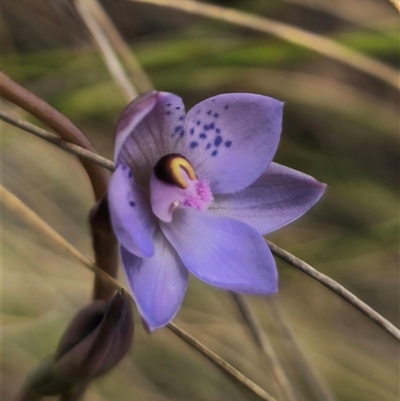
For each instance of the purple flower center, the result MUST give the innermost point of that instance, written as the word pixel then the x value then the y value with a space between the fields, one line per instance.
pixel 173 184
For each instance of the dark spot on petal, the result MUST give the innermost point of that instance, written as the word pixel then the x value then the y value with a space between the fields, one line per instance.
pixel 130 175
pixel 132 204
pixel 198 122
pixel 209 112
pixel 178 128
pixel 181 118
pixel 226 107
pixel 123 167
pixel 208 146
pixel 213 100
pixel 177 108
pixel 203 135
pixel 193 145
pixel 218 140
pixel 214 153
pixel 182 133
pixel 169 104
pixel 211 126
pixel 206 127
pixel 217 130
pixel 191 131
pixel 168 113
pixel 216 115
pixel 228 144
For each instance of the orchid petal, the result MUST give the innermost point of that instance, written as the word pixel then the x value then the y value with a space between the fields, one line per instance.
pixel 278 197
pixel 146 131
pixel 158 283
pixel 222 252
pixel 131 216
pixel 231 139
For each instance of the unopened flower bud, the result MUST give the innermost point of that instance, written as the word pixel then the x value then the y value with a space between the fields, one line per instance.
pixel 97 338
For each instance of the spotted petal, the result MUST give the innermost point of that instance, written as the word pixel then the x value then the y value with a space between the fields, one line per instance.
pixel 222 252
pixel 146 130
pixel 131 216
pixel 278 197
pixel 158 283
pixel 231 139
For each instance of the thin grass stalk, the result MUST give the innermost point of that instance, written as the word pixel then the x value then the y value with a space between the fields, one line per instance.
pixel 105 49
pixel 56 140
pixel 22 97
pixel 36 106
pixel 336 288
pixel 353 18
pixel 316 383
pixel 294 261
pixel 298 36
pixel 137 74
pixel 16 206
pixel 210 355
pixel 263 343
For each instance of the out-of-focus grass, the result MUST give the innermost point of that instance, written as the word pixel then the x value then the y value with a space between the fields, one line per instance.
pixel 339 127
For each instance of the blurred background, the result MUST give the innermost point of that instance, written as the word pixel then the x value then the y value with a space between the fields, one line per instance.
pixel 340 126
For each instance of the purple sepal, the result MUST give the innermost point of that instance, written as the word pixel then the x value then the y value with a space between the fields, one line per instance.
pixel 158 283
pixel 131 216
pixel 278 197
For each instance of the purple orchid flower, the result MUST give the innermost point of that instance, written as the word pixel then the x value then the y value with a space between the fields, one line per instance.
pixel 196 192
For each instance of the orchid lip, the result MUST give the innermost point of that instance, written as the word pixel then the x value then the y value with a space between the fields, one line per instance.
pixel 173 184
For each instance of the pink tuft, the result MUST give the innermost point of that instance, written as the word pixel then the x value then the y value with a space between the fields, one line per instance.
pixel 198 196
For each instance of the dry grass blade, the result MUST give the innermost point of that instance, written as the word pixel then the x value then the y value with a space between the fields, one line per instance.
pixel 337 288
pixel 15 205
pixel 344 11
pixel 312 376
pixel 105 48
pixel 139 77
pixel 316 275
pixel 262 394
pixel 395 4
pixel 298 36
pixel 264 344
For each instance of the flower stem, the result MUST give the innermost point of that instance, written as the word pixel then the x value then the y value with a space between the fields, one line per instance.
pixel 25 99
